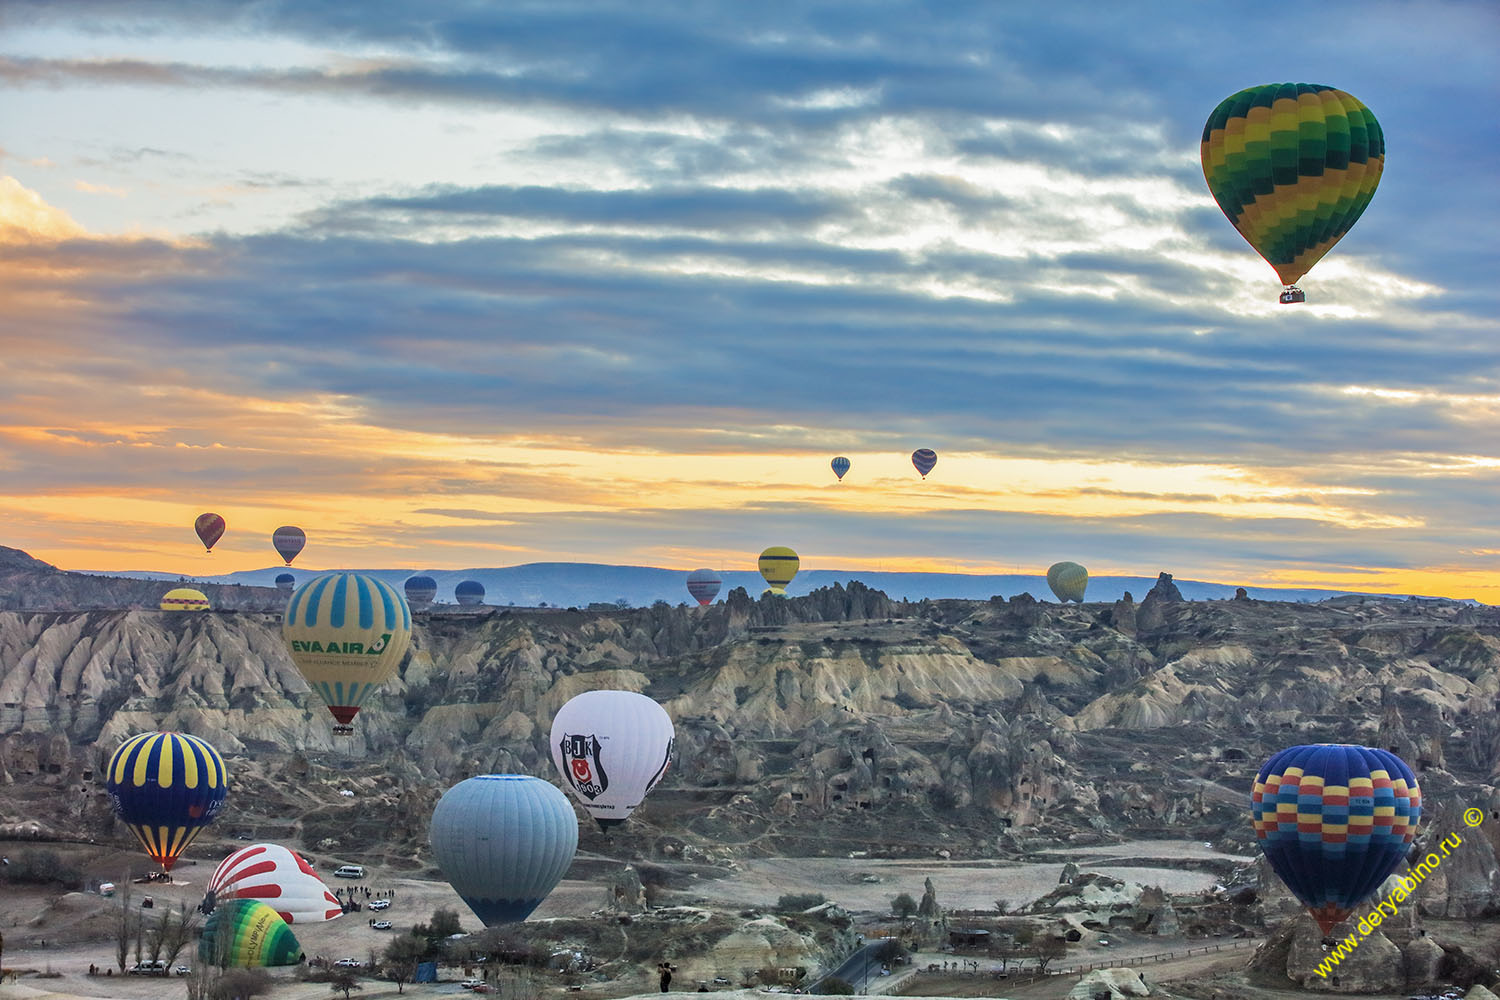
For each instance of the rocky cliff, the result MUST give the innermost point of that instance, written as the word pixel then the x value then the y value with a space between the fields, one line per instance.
pixel 842 720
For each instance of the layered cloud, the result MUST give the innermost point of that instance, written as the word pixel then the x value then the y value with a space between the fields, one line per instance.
pixel 612 284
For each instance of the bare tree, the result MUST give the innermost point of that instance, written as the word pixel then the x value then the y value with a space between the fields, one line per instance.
pixel 122 931
pixel 1047 949
pixel 181 932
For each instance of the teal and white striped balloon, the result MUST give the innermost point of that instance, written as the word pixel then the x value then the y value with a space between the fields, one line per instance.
pixel 503 842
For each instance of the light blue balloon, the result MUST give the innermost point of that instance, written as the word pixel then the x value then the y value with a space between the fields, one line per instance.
pixel 503 842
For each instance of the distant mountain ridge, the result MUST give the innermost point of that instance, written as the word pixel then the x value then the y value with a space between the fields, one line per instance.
pixel 581 584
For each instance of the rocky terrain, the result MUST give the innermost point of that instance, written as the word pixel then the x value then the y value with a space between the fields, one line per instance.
pixel 838 722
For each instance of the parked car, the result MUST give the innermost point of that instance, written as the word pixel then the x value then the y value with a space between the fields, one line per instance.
pixel 471 983
pixel 381 925
pixel 149 968
pixel 183 970
pixel 348 963
pixel 380 904
pixel 349 871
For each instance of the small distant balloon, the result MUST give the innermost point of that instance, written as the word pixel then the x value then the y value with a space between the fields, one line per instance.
pixel 285 582
pixel 704 585
pixel 1068 581
pixel 503 841
pixel 184 599
pixel 469 593
pixel 288 540
pixel 840 466
pixel 925 459
pixel 210 528
pixel 778 565
pixel 421 589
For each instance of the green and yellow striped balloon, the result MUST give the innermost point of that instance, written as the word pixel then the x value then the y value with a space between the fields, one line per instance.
pixel 1293 165
pixel 247 933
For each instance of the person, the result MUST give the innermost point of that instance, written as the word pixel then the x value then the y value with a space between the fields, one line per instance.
pixel 665 969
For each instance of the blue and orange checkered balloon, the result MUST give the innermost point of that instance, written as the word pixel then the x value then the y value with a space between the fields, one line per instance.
pixel 1334 820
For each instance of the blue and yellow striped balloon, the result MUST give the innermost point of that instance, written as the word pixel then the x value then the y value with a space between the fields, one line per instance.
pixel 166 787
pixel 347 634
pixel 1334 820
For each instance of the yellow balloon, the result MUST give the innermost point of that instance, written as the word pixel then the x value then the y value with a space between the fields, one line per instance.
pixel 1068 581
pixel 347 634
pixel 184 599
pixel 778 565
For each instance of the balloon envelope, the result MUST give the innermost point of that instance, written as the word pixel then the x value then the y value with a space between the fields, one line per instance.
pixel 1334 820
pixel 469 592
pixel 1293 166
pixel 421 589
pixel 840 466
pixel 347 634
pixel 277 876
pixel 285 582
pixel 1068 581
pixel 503 841
pixel 210 528
pixel 925 459
pixel 166 787
pixel 184 599
pixel 611 748
pixel 288 540
pixel 247 934
pixel 704 585
pixel 778 565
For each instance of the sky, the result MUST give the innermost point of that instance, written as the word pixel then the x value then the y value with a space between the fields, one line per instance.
pixel 457 284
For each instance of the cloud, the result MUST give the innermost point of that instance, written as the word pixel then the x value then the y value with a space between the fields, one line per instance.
pixel 629 247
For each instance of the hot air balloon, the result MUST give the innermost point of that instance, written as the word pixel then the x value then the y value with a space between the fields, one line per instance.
pixel 778 565
pixel 184 599
pixel 347 634
pixel 840 466
pixel 469 593
pixel 1068 581
pixel 421 589
pixel 166 787
pixel 276 876
pixel 611 748
pixel 285 582
pixel 1334 820
pixel 288 541
pixel 210 528
pixel 1292 165
pixel 703 584
pixel 245 933
pixel 925 459
pixel 503 841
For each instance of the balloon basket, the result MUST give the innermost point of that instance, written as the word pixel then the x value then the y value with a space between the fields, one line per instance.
pixel 341 729
pixel 1291 294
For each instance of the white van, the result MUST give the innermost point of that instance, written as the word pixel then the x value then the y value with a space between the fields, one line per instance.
pixel 349 871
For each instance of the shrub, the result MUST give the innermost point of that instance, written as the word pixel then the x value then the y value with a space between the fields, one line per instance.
pixel 797 901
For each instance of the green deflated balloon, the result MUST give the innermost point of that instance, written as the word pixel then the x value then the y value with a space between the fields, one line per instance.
pixel 247 933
